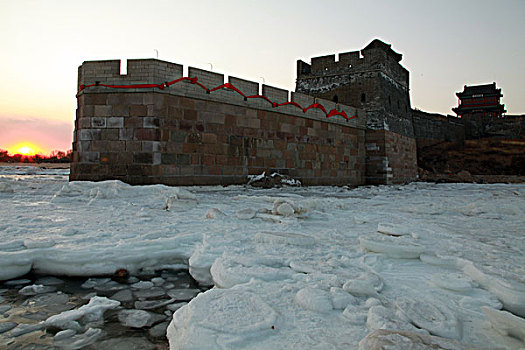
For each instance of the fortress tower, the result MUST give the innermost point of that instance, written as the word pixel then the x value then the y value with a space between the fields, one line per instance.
pixel 372 79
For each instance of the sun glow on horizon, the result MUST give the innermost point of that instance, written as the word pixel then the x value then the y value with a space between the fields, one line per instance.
pixel 25 149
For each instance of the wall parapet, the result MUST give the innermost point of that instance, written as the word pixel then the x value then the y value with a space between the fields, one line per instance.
pixel 143 72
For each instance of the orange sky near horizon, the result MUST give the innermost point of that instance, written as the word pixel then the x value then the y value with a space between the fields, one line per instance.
pixel 445 45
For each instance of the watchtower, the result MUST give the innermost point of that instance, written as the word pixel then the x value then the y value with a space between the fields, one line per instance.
pixel 372 79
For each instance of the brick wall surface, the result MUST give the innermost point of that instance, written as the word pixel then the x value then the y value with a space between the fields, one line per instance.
pixel 390 158
pixel 184 136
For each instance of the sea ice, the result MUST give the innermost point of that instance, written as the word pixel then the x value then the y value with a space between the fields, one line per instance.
pixel 7 326
pixel 92 311
pixel 314 299
pixel 433 316
pixel 286 238
pixel 135 318
pixel 80 341
pixel 400 339
pixel 183 294
pixel 214 213
pixel 394 247
pixel 245 214
pixel 36 289
pixel 142 285
pixel 225 316
pixel 446 251
pixel 505 322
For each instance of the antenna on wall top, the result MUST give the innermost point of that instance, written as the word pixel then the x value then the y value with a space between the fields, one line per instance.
pixel 157 51
pixel 211 66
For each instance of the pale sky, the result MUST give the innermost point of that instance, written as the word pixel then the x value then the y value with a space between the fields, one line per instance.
pixel 445 45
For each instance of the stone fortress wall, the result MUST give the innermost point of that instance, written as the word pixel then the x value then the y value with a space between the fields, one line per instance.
pixel 174 130
pixel 184 134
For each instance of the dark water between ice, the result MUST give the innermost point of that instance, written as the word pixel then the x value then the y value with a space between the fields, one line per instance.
pixel 151 295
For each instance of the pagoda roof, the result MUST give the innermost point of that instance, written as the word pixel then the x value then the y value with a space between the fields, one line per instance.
pixel 486 90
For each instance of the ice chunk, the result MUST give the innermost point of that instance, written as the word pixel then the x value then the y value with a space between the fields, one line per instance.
pixel 14 265
pixel 4 308
pixel 36 289
pixel 158 281
pixel 93 282
pixel 300 266
pixel 65 334
pixel 380 317
pixel 183 294
pixel 355 315
pixel 81 340
pixel 34 243
pixel 372 302
pixel 245 214
pixel 7 326
pixel 152 304
pixel 159 331
pixel 286 238
pixel 234 313
pixel 394 247
pixel 152 292
pixel 214 213
pixel 505 322
pixel 110 286
pixel 17 282
pixel 393 230
pixel 134 318
pixel 174 307
pixel 314 300
pixel 431 315
pixel 285 209
pixel 92 311
pixel 11 246
pixel 452 281
pixel 399 339
pixel 176 203
pixel 199 266
pixel 52 302
pixel 340 298
pixel 227 273
pixel 22 329
pixel 49 281
pixel 367 284
pixel 142 285
pixel 123 295
pixel 511 293
pixel 438 260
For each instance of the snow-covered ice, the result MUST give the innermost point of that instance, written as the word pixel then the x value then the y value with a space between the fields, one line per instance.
pixel 313 268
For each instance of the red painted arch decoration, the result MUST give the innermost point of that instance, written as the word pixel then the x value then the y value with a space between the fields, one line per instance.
pixel 194 80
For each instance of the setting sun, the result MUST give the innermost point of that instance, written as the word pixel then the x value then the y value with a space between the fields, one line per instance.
pixel 25 149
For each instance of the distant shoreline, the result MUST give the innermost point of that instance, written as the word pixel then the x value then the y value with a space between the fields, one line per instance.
pixel 40 165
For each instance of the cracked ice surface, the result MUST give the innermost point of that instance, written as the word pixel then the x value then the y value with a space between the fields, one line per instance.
pixel 336 265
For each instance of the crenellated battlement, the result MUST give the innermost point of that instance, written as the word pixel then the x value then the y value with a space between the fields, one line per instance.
pixel 143 74
pixel 377 56
pixel 139 71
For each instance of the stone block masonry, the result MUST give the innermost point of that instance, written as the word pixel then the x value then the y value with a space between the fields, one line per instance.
pixel 372 79
pixel 183 135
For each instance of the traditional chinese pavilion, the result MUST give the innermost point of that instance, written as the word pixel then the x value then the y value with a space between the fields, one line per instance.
pixel 481 100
